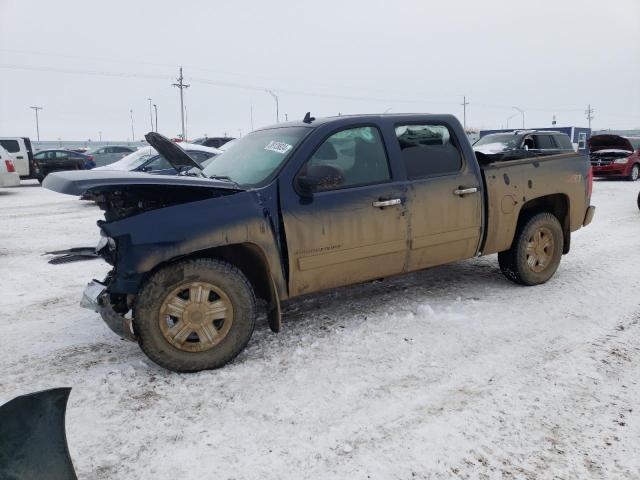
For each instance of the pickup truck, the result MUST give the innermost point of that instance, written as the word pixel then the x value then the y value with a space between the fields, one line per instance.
pixel 306 206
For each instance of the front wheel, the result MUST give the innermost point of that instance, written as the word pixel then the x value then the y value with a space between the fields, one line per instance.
pixel 635 172
pixel 195 315
pixel 535 253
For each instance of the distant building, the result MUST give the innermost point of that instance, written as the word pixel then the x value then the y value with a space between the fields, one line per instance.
pixel 578 135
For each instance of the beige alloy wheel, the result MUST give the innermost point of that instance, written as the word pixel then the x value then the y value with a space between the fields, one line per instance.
pixel 540 249
pixel 195 316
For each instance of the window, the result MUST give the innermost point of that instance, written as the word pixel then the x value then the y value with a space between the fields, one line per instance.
pixel 10 146
pixel 158 163
pixel 120 150
pixel 582 140
pixel 356 156
pixel 563 141
pixel 199 156
pixel 40 155
pixel 428 150
pixel 544 142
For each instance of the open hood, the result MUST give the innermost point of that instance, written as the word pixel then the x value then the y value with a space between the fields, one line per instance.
pixel 176 156
pixel 609 142
pixel 78 182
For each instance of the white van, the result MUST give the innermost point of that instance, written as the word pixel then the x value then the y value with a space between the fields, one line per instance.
pixel 20 153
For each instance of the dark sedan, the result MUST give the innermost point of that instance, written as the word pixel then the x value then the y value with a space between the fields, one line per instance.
pixel 56 160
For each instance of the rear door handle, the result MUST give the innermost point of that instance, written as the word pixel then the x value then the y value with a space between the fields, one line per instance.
pixel 387 203
pixel 465 191
pixel 20 157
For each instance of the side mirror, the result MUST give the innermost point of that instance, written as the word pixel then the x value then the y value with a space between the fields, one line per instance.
pixel 318 178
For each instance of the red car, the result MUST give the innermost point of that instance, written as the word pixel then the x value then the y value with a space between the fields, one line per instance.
pixel 615 156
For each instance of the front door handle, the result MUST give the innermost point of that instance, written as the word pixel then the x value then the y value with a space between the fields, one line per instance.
pixel 465 191
pixel 387 203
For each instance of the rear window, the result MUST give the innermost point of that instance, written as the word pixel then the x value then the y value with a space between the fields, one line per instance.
pixel 428 150
pixel 544 142
pixel 564 142
pixel 11 146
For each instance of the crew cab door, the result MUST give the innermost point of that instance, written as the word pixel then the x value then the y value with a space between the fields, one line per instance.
pixel 351 227
pixel 444 200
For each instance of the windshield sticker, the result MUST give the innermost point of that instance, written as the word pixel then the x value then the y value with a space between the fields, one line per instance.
pixel 279 147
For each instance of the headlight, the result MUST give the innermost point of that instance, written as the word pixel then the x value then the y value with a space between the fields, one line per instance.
pixel 622 160
pixel 104 241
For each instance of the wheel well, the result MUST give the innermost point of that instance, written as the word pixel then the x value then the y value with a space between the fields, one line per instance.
pixel 250 260
pixel 557 205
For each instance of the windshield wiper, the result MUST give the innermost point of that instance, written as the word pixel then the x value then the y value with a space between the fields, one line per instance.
pixel 226 178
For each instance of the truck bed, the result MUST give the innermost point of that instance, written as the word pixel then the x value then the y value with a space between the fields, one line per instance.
pixel 513 185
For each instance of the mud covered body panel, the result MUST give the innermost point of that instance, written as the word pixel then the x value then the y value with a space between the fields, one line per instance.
pixel 512 185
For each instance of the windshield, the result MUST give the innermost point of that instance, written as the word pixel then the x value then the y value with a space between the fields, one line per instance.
pixel 499 142
pixel 635 142
pixel 255 157
pixel 133 160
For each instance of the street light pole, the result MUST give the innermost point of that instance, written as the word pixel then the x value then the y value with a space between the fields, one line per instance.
pixel 37 122
pixel 133 136
pixel 150 114
pixel 100 135
pixel 522 112
pixel 155 107
pixel 275 97
pixel 509 118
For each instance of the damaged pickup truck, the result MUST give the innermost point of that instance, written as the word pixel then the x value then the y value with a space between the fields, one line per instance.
pixel 306 206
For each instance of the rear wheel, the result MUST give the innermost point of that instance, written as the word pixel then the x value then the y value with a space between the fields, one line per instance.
pixel 195 315
pixel 635 172
pixel 536 251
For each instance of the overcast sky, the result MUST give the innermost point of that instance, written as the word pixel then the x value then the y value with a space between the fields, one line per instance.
pixel 89 63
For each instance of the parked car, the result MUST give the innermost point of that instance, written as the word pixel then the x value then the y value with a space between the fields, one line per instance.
pixel 615 156
pixel 147 159
pixel 215 142
pixel 306 206
pixel 56 160
pixel 523 144
pixel 8 175
pixel 20 153
pixel 109 154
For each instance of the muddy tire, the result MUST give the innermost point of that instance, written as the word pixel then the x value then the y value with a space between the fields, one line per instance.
pixel 195 315
pixel 536 251
pixel 635 172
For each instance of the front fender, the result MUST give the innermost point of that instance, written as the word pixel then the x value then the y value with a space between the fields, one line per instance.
pixel 147 240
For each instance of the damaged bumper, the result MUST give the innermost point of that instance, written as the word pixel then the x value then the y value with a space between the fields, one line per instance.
pixel 96 298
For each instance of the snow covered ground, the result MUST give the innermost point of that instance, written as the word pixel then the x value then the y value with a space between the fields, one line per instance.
pixel 449 373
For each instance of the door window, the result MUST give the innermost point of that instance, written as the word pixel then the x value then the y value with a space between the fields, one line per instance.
pixel 544 142
pixel 10 146
pixel 61 155
pixel 428 150
pixel 355 157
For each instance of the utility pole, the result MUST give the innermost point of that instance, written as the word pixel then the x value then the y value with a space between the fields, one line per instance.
pixel 133 136
pixel 251 117
pixel 150 115
pixel 100 135
pixel 155 107
pixel 181 85
pixel 37 122
pixel 464 111
pixel 522 112
pixel 588 112
pixel 275 97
